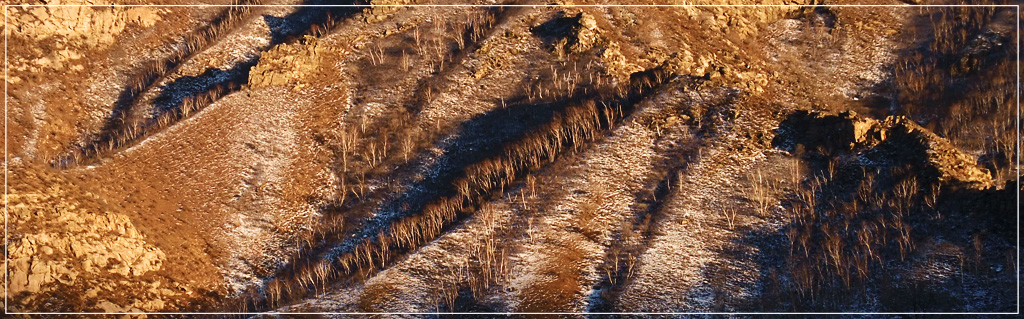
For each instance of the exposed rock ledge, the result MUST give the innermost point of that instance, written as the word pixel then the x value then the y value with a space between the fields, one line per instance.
pixel 64 245
pixel 894 138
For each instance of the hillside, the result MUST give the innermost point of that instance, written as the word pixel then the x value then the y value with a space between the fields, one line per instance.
pixel 542 158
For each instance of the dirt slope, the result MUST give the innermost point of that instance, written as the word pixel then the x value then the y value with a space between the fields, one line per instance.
pixel 511 159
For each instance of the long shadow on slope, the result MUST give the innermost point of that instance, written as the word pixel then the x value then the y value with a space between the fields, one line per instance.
pixel 282 30
pixel 310 17
pixel 955 218
pixel 174 94
pixel 619 259
pixel 155 70
pixel 480 138
pixel 119 131
pixel 549 131
pixel 896 285
pixel 429 86
pixel 177 101
pixel 940 70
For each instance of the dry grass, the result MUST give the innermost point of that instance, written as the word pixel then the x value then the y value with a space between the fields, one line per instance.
pixel 844 229
pixel 959 84
pixel 577 124
pixel 122 127
pixel 761 193
pixel 125 127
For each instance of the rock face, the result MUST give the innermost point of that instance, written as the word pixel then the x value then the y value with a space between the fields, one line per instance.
pixel 892 139
pixel 91 26
pixel 576 31
pixel 829 132
pixel 569 33
pixel 952 165
pixel 60 243
pixel 290 64
pixel 381 9
pixel 75 29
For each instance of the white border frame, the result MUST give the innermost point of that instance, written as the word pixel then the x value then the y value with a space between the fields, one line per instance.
pixel 1018 146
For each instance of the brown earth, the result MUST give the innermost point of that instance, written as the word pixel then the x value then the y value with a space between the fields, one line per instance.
pixel 510 159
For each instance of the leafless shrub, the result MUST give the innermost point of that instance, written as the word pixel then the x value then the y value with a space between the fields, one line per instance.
pixel 589 211
pixel 132 132
pixel 575 125
pixel 731 212
pixel 835 241
pixel 406 62
pixel 961 80
pixel 147 76
pixel 977 253
pixel 760 193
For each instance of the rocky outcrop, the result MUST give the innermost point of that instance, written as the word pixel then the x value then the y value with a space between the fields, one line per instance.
pixel 291 64
pixel 74 30
pixel 617 64
pixel 882 142
pixel 953 165
pixel 62 243
pixel 580 31
pixel 569 33
pixel 831 133
pixel 89 26
pixel 382 8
